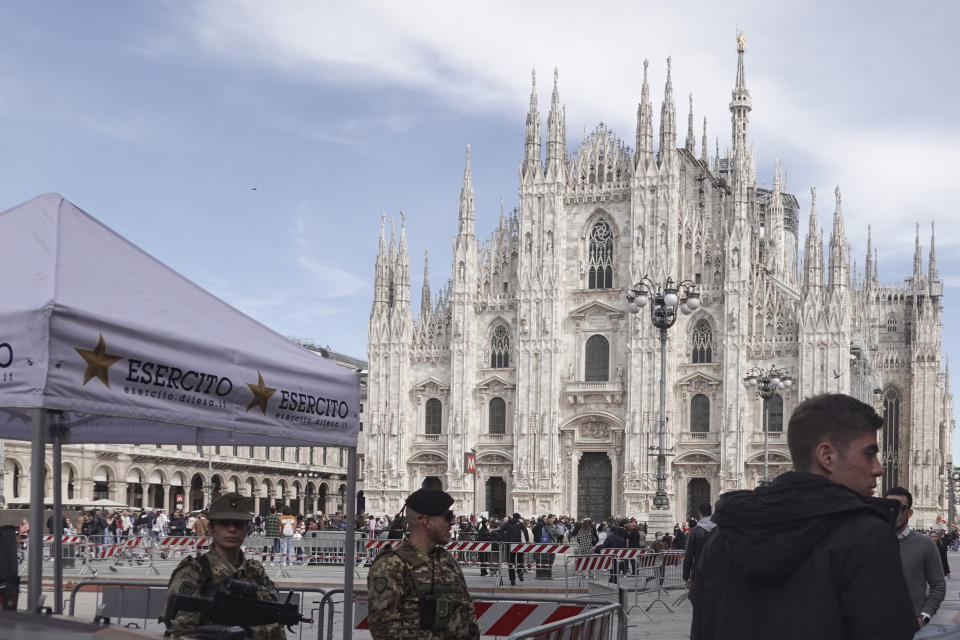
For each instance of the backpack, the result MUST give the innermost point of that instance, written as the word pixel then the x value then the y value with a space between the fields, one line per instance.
pixel 287 529
pixel 545 535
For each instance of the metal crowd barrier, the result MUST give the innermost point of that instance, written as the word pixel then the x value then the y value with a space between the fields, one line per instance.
pixel 514 616
pixel 657 573
pixel 141 603
pixel 640 571
pixel 75 549
pixel 596 624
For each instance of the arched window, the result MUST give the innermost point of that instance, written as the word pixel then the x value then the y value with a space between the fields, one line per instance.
pixel 500 348
pixel 891 323
pixel 775 414
pixel 16 480
pixel 597 359
pixel 892 400
pixel 699 414
pixel 702 342
pixel 434 415
pixel 601 256
pixel 498 416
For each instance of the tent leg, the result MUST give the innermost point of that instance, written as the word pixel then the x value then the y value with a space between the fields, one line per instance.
pixel 56 433
pixel 349 543
pixel 35 540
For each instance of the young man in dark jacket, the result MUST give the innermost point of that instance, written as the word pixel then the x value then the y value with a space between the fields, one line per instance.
pixel 695 541
pixel 615 540
pixel 812 554
pixel 514 532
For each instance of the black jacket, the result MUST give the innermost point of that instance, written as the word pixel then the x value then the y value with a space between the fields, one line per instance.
pixel 694 543
pixel 802 557
pixel 514 531
pixel 614 540
pixel 633 538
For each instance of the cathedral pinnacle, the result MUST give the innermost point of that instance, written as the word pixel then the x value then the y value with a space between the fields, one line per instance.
pixel 868 263
pixel 466 199
pixel 691 141
pixel 381 289
pixel 668 118
pixel 531 151
pixel 644 118
pixel 556 133
pixel 703 141
pixel 932 267
pixel 401 269
pixel 740 103
pixel 839 261
pixel 776 241
pixel 813 255
pixel 425 291
pixel 917 260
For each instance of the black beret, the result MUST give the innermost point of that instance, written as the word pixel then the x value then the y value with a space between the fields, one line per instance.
pixel 430 502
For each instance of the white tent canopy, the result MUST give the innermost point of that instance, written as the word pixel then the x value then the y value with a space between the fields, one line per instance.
pixel 133 352
pixel 109 345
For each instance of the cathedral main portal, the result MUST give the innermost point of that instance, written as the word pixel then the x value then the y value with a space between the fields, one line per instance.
pixel 594 487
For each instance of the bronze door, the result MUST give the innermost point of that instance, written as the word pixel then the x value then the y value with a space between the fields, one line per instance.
pixel 698 491
pixel 594 487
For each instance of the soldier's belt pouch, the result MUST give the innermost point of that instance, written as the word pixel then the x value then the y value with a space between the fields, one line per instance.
pixel 428 611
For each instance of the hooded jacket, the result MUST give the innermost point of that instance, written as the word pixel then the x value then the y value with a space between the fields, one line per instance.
pixel 802 557
pixel 695 541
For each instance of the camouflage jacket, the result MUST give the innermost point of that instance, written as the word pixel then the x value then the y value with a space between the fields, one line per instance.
pixel 186 579
pixel 397 579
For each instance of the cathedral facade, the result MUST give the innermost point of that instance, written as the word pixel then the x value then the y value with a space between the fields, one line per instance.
pixel 525 384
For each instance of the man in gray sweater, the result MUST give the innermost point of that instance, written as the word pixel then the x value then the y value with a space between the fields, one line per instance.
pixel 920 560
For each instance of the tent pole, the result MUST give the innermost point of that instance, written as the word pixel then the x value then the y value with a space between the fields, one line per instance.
pixel 56 439
pixel 35 540
pixel 349 542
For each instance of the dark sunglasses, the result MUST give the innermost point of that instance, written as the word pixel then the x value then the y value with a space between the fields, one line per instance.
pixel 448 516
pixel 904 508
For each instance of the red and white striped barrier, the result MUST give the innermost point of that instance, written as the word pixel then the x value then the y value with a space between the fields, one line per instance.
pixel 380 544
pixel 498 618
pixel 623 554
pixel 592 563
pixel 106 552
pixel 469 546
pixel 541 548
pixel 103 551
pixel 183 542
pixel 66 539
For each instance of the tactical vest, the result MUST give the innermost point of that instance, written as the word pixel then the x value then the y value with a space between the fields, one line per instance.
pixel 436 601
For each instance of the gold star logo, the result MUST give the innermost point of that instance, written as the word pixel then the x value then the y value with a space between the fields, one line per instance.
pixel 98 361
pixel 261 394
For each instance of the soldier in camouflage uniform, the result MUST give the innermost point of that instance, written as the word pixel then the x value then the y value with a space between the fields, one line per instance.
pixel 229 516
pixel 417 590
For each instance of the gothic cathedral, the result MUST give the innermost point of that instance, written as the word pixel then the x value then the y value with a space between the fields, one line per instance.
pixel 528 368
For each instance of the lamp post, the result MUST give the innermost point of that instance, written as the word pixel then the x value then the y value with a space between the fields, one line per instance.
pixel 953 480
pixel 665 301
pixel 766 384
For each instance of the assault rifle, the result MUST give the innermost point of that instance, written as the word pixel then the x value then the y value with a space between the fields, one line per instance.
pixel 233 604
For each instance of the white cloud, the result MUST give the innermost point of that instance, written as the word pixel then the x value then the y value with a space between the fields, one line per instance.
pixel 826 109
pixel 329 281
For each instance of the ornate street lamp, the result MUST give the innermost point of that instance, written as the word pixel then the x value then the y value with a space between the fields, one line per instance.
pixel 766 384
pixel 665 301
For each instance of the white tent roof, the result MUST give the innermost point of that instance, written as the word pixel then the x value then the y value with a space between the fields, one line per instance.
pixel 133 352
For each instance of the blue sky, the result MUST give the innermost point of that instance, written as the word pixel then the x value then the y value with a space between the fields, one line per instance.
pixel 160 118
